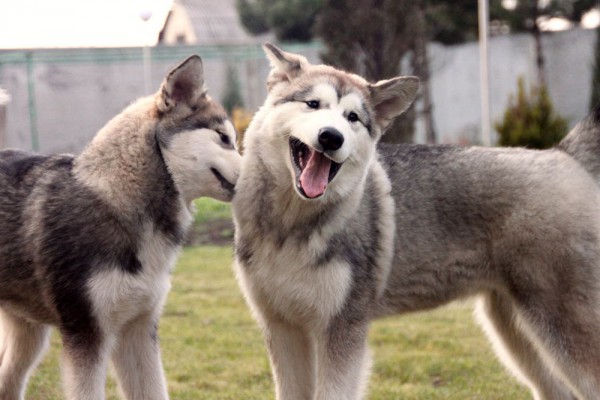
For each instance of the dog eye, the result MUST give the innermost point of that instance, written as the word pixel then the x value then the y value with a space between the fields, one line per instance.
pixel 313 104
pixel 352 117
pixel 224 138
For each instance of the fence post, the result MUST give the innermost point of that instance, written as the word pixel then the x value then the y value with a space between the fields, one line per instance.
pixel 32 107
pixel 4 99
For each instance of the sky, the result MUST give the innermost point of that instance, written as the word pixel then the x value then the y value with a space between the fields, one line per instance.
pixel 80 23
pixel 106 23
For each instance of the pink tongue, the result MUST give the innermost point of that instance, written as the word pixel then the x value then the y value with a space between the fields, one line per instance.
pixel 315 176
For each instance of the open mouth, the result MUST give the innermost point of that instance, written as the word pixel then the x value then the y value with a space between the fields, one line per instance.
pixel 225 184
pixel 314 170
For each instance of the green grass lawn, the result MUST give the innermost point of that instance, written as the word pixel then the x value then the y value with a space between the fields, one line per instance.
pixel 212 223
pixel 212 348
pixel 208 209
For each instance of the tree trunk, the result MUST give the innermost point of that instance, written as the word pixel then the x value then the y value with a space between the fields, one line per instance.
pixel 401 43
pixel 540 62
pixel 376 37
pixel 402 129
pixel 421 69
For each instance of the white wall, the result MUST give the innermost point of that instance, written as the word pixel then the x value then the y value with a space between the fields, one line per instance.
pixel 455 79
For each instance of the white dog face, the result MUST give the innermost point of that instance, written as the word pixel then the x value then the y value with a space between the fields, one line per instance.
pixel 197 140
pixel 328 121
pixel 327 134
pixel 204 162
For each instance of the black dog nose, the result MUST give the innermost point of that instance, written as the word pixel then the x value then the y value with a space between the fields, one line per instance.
pixel 330 139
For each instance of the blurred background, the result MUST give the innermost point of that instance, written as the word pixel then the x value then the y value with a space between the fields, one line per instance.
pixel 68 66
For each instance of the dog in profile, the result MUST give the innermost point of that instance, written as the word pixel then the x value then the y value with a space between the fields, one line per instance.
pixel 88 242
pixel 334 230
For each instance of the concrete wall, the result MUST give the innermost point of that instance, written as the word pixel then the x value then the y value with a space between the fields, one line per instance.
pixel 60 98
pixel 455 79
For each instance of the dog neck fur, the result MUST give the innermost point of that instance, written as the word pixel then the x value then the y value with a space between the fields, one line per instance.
pixel 127 151
pixel 122 155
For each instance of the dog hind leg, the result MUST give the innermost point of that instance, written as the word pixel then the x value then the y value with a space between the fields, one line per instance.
pixel 496 315
pixel 569 340
pixel 21 345
pixel 137 361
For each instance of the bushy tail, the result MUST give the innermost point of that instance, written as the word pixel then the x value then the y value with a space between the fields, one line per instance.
pixel 583 143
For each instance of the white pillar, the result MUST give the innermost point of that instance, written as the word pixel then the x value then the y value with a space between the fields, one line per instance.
pixel 484 82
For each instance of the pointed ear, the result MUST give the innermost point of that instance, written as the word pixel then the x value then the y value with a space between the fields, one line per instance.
pixel 285 66
pixel 392 97
pixel 184 85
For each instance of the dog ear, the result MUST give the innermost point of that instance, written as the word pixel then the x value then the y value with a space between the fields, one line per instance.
pixel 391 97
pixel 285 66
pixel 184 85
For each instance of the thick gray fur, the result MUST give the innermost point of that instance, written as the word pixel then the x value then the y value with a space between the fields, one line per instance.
pixel 87 243
pixel 519 229
pixel 583 143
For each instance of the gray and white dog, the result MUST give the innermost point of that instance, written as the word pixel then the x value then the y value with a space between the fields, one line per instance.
pixel 333 231
pixel 87 243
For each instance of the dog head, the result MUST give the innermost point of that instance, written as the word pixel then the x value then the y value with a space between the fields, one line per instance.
pixel 196 138
pixel 326 120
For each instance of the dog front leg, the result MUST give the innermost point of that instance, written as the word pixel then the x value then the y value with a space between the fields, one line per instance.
pixel 343 361
pixel 137 361
pixel 291 352
pixel 85 356
pixel 21 345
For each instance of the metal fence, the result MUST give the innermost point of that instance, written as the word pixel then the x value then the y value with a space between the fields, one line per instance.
pixel 60 98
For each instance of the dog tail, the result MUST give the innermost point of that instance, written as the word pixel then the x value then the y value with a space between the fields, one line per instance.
pixel 583 143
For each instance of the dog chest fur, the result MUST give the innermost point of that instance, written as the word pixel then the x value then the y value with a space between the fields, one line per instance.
pixel 296 294
pixel 310 271
pixel 119 297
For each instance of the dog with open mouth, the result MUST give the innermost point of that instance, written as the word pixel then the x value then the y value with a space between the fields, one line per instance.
pixel 334 230
pixel 314 169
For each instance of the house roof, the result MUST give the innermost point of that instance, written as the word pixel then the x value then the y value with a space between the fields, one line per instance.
pixel 217 22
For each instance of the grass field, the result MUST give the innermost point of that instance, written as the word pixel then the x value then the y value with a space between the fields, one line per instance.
pixel 213 350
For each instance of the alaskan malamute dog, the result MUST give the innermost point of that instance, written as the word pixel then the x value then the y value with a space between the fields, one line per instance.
pixel 87 243
pixel 333 231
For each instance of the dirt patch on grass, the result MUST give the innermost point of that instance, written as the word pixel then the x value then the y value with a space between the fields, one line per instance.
pixel 218 231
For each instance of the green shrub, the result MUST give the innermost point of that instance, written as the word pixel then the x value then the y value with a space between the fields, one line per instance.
pixel 531 121
pixel 232 96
